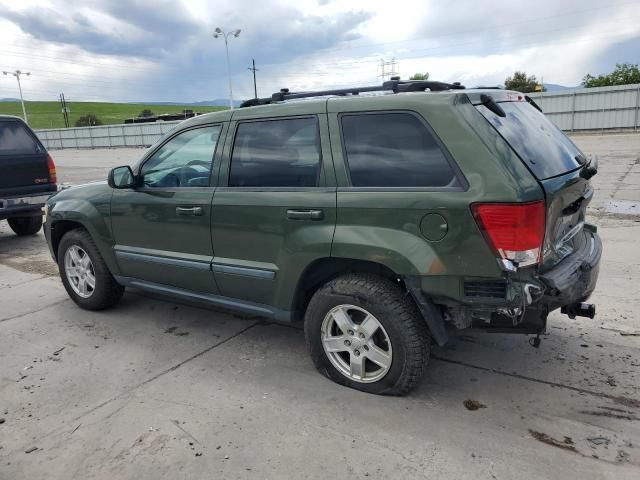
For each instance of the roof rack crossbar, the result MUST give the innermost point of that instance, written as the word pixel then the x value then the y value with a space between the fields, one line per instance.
pixel 394 85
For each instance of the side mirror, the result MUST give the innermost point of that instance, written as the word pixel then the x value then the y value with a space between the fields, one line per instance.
pixel 121 177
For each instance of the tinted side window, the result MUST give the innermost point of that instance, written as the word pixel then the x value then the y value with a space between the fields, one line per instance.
pixel 393 150
pixel 184 161
pixel 276 153
pixel 16 138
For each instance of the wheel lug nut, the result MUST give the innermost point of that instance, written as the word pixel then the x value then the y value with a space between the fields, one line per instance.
pixel 366 348
pixel 361 335
pixel 356 353
pixel 347 343
pixel 350 332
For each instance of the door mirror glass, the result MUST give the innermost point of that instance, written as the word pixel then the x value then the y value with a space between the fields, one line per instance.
pixel 121 177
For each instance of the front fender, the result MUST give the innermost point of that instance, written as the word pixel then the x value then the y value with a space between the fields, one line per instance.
pixel 92 212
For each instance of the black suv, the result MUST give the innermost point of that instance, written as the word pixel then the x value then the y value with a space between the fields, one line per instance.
pixel 27 176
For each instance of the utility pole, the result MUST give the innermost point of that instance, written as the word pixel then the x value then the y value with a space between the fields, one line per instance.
pixel 254 70
pixel 217 33
pixel 17 74
pixel 65 110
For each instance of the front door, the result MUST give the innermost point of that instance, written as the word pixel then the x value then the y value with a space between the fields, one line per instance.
pixel 275 209
pixel 162 228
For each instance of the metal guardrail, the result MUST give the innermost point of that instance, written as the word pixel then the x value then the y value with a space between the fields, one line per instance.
pixel 614 108
pixel 105 136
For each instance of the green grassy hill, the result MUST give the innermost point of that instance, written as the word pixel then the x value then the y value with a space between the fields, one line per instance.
pixel 49 115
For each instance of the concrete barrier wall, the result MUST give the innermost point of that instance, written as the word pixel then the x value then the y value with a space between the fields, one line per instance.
pixel 105 136
pixel 593 109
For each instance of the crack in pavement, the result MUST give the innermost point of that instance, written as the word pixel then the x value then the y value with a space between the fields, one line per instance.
pixel 165 371
pixel 36 311
pixel 629 402
pixel 128 390
pixel 624 177
pixel 13 285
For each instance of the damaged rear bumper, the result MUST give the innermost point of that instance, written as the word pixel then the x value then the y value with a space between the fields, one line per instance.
pixel 575 278
pixel 525 298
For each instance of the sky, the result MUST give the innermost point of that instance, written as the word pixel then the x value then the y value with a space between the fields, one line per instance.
pixel 164 50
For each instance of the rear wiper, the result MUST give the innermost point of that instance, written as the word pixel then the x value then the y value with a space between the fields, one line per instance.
pixel 490 103
pixel 589 169
pixel 532 103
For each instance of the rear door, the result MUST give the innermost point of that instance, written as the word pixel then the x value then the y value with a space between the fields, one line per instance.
pixel 275 209
pixel 556 162
pixel 23 160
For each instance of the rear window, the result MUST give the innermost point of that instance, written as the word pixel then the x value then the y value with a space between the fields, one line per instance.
pixel 544 148
pixel 393 150
pixel 15 137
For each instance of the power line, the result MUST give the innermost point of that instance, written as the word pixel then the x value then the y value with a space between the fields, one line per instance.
pixel 346 62
pixel 514 40
pixel 495 27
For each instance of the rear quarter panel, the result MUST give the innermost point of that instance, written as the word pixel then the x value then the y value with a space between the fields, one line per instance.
pixel 383 225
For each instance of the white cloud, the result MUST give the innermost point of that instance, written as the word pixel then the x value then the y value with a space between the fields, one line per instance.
pixel 142 50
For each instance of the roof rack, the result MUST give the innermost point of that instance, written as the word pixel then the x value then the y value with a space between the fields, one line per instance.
pixel 394 85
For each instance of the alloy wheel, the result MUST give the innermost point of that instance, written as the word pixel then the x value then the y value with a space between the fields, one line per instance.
pixel 79 271
pixel 356 343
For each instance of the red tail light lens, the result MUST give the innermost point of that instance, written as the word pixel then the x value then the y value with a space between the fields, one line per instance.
pixel 515 231
pixel 52 170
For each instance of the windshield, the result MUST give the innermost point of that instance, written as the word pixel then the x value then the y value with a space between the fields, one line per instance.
pixel 544 148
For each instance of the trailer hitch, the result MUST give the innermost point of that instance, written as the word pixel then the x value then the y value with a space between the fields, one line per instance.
pixel 579 310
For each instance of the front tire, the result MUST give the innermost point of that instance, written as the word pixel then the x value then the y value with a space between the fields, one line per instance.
pixel 22 226
pixel 364 332
pixel 84 273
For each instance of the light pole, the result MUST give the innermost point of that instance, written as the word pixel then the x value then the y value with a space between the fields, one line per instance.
pixel 218 32
pixel 17 74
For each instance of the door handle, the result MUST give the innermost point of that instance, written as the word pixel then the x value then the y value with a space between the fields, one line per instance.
pixel 196 211
pixel 305 214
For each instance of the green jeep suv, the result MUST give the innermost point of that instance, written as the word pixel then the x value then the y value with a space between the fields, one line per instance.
pixel 381 217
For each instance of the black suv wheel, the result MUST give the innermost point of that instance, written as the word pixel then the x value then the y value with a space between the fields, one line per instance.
pixel 84 274
pixel 25 225
pixel 364 332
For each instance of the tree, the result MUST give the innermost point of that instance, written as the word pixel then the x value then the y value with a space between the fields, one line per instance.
pixel 521 82
pixel 419 76
pixel 146 113
pixel 88 120
pixel 623 74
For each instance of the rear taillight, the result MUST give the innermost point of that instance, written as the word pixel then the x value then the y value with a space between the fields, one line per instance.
pixel 52 170
pixel 515 231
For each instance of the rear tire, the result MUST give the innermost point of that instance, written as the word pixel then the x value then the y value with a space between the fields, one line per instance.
pixel 399 346
pixel 25 225
pixel 84 274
